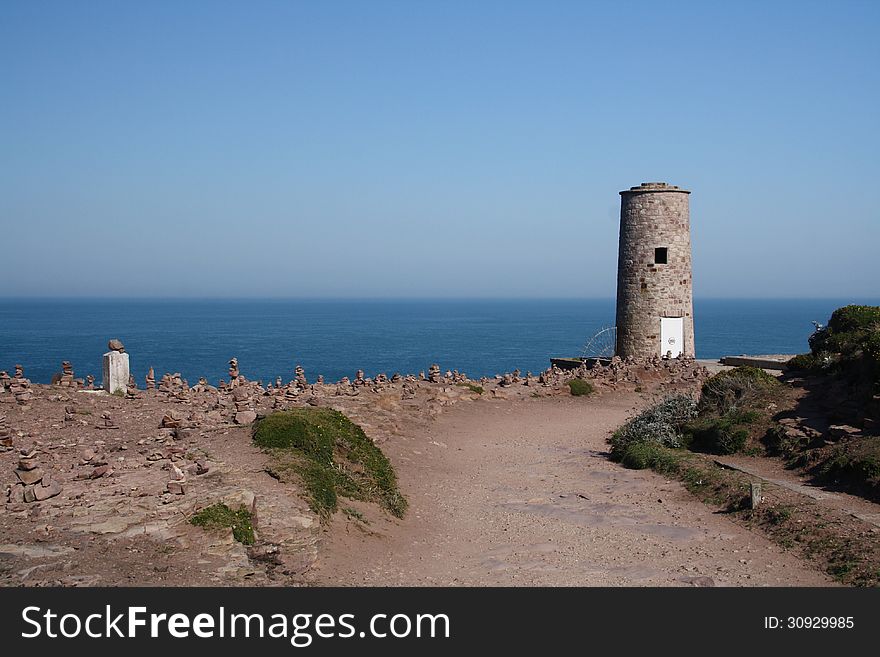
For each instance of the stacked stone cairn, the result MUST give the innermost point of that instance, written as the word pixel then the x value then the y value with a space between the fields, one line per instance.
pixel 203 386
pixel 20 387
pixel 291 392
pixel 434 375
pixel 175 386
pixel 131 390
pixel 150 379
pixel 234 372
pixel 34 484
pixel 90 382
pixel 244 413
pixel 6 439
pixel 300 379
pixel 177 483
pixel 66 378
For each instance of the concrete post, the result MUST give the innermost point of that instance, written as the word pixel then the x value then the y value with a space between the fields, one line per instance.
pixel 116 371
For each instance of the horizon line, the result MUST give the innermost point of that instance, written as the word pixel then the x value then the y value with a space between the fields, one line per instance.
pixel 413 298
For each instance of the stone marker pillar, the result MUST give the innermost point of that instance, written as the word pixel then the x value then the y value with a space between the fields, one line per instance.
pixel 116 368
pixel 755 492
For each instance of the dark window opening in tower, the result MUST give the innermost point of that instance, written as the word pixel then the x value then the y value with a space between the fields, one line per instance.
pixel 661 255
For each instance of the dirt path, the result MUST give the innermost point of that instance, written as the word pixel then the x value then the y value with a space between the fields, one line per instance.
pixel 520 493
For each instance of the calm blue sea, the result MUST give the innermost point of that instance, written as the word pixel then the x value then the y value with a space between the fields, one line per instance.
pixel 335 337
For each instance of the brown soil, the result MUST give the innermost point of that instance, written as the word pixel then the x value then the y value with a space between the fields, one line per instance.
pixel 521 493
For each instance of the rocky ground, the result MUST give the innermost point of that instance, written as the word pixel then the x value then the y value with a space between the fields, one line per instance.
pixel 506 478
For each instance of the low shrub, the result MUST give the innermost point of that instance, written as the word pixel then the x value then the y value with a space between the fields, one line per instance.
pixel 660 424
pixel 717 435
pixel 735 389
pixel 856 464
pixel 580 388
pixel 851 343
pixel 804 362
pixel 639 456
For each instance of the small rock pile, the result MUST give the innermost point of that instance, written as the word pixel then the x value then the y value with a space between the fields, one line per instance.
pixel 175 386
pixel 90 382
pixel 95 465
pixel 203 386
pixel 34 484
pixel 6 440
pixel 131 390
pixel 66 378
pixel 300 378
pixel 20 387
pixel 234 372
pixel 177 483
pixel 434 375
pixel 244 413
pixel 106 422
pixel 150 379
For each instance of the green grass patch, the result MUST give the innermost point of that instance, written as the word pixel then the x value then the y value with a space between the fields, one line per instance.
pixel 220 516
pixel 580 388
pixel 639 456
pixel 472 387
pixel 332 457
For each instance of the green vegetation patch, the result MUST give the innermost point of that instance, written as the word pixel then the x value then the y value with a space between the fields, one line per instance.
pixel 660 424
pixel 850 344
pixel 580 388
pixel 733 409
pixel 332 456
pixel 472 387
pixel 220 516
pixel 734 390
pixel 640 456
pixel 856 464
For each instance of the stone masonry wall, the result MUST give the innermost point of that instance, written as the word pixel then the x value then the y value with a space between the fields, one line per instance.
pixel 653 215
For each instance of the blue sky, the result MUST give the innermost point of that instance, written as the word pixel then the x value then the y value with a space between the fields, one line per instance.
pixel 432 148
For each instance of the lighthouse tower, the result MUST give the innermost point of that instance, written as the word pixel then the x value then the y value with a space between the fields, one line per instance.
pixel 655 315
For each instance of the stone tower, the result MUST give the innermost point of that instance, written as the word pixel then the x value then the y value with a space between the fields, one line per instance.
pixel 655 315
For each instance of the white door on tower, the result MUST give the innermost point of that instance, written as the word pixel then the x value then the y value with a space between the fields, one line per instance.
pixel 671 336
